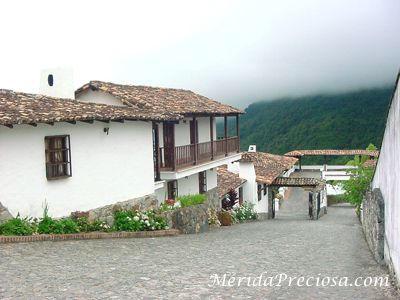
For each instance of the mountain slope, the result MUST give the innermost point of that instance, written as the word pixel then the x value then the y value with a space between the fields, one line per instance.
pixel 342 121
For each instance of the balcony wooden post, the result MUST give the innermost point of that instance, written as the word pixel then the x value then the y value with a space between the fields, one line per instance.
pixel 195 139
pixel 156 145
pixel 212 136
pixel 226 134
pixel 173 150
pixel 238 133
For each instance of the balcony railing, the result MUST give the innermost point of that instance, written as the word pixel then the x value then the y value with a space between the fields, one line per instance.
pixel 187 155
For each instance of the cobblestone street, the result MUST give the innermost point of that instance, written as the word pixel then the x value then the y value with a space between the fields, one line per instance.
pixel 180 267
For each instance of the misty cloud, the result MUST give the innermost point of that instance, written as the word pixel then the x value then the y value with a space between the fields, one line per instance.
pixel 233 51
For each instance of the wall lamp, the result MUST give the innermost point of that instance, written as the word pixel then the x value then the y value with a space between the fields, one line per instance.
pixel 106 130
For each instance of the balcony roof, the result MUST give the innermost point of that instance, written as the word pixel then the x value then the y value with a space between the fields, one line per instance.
pixel 158 99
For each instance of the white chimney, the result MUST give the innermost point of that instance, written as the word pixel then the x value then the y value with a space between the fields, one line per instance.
pixel 57 82
pixel 252 148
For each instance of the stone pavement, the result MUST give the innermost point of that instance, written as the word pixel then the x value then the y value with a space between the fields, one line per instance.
pixel 180 267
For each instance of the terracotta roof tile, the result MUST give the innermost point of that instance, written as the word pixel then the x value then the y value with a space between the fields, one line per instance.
pixel 161 99
pixel 22 108
pixel 227 180
pixel 268 166
pixel 332 152
pixel 296 182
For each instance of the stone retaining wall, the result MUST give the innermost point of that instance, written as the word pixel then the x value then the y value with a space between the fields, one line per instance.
pixel 373 223
pixel 191 219
pixel 105 213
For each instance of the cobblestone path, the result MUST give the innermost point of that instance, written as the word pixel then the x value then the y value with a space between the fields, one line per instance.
pixel 181 267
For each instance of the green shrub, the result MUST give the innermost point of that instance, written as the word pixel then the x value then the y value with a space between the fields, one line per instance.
pixel 47 225
pixel 189 200
pixel 130 220
pixel 16 226
pixel 244 212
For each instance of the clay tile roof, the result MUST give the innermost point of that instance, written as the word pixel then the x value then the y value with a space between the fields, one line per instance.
pixel 161 99
pixel 227 180
pixel 268 166
pixel 332 152
pixel 22 108
pixel 296 182
pixel 370 163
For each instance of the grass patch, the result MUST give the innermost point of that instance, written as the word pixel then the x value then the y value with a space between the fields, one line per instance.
pixel 189 200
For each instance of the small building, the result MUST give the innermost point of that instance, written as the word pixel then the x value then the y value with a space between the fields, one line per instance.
pixel 260 169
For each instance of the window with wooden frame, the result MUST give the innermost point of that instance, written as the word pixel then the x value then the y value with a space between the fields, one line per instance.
pixel 203 182
pixel 265 189
pixel 172 189
pixel 58 156
pixel 259 192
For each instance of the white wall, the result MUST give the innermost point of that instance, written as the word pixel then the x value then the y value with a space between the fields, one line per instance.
pixel 387 179
pixel 182 131
pixel 98 97
pixel 188 185
pixel 105 168
pixel 247 171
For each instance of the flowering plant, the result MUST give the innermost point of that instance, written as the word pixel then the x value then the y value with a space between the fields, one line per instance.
pixel 133 220
pixel 244 212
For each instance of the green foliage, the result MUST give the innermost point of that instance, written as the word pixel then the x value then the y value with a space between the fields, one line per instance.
pixel 16 226
pixel 244 212
pixel 166 207
pixel 359 182
pixel 341 121
pixel 132 220
pixel 189 200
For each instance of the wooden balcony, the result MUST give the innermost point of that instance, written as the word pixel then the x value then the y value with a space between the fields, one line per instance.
pixel 188 155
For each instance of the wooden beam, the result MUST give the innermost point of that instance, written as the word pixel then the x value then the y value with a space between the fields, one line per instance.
pixel 226 134
pixel 195 139
pixel 71 122
pixel 119 121
pixel 50 123
pixel 104 121
pixel 87 121
pixel 238 132
pixel 212 136
pixel 33 124
pixel 8 125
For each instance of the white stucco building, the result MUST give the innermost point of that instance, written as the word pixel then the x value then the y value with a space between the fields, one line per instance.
pixel 260 169
pixel 186 152
pixel 72 155
pixel 387 179
pixel 113 143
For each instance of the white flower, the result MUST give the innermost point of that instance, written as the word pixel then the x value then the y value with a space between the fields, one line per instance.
pixel 166 227
pixel 152 228
pixel 136 218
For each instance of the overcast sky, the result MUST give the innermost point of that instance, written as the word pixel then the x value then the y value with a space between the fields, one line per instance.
pixel 233 51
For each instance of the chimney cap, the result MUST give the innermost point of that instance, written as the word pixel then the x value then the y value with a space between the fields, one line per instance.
pixel 252 148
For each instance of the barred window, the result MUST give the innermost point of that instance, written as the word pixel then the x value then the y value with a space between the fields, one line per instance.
pixel 259 192
pixel 265 189
pixel 58 156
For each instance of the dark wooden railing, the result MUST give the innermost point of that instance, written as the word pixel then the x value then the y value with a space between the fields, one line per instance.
pixel 184 156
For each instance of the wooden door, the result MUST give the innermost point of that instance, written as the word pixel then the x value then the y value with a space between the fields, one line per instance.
pixel 169 144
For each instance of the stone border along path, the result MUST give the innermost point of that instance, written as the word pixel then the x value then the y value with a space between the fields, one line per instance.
pixel 87 236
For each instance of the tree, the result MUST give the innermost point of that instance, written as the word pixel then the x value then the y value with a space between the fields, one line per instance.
pixel 360 180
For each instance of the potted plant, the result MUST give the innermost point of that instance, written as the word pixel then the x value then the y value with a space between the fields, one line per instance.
pixel 225 218
pixel 170 202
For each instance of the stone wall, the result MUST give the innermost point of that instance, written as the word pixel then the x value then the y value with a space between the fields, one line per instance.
pixel 4 214
pixel 213 199
pixel 191 219
pixel 105 213
pixel 373 222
